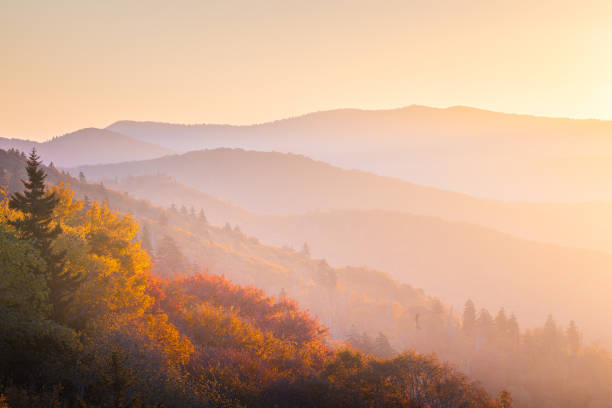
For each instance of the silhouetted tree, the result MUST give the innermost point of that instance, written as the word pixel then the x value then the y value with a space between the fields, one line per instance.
pixel 145 240
pixel 202 216
pixel 573 338
pixel 469 317
pixel 305 250
pixel 501 323
pixel 383 347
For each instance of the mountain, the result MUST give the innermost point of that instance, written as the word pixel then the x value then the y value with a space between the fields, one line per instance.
pixel 448 259
pixel 276 183
pixel 482 153
pixel 362 306
pixel 89 146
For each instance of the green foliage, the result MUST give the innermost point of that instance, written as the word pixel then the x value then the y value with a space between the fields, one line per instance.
pixel 23 288
pixel 126 338
pixel 36 209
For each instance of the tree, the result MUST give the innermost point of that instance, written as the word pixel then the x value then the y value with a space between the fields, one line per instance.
pixel 513 329
pixel 22 289
pixel 169 260
pixel 37 206
pixel 573 338
pixel 383 347
pixel 38 226
pixel 202 217
pixel 501 323
pixel 486 324
pixel 145 240
pixel 504 400
pixel 305 250
pixel 469 317
pixel 82 178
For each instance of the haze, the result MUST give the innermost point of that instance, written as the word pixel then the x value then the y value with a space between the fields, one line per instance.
pixel 305 204
pixel 72 64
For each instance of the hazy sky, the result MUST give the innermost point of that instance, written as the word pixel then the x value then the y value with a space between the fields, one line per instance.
pixel 68 64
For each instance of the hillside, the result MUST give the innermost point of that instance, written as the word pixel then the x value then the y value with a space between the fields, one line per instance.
pixel 106 330
pixel 276 183
pixel 89 146
pixel 367 308
pixel 496 269
pixel 482 153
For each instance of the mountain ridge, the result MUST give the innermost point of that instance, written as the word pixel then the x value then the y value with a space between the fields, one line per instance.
pixel 88 145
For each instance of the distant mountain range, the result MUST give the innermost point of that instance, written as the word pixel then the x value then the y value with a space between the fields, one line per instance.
pixel 482 153
pixel 277 183
pixel 420 235
pixel 89 146
pixel 476 152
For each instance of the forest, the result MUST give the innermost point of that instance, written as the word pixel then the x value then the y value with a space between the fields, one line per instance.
pixel 158 257
pixel 90 319
pixel 305 204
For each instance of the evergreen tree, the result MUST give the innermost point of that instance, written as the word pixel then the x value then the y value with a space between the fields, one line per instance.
pixel 37 226
pixel 501 323
pixel 573 338
pixel 383 347
pixel 513 329
pixel 202 217
pixel 469 317
pixel 169 260
pixel 82 178
pixel 37 206
pixel 486 324
pixel 145 240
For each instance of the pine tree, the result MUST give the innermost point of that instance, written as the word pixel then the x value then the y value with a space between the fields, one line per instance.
pixel 469 317
pixel 486 324
pixel 37 206
pixel 573 338
pixel 383 347
pixel 501 323
pixel 145 240
pixel 37 226
pixel 202 216
pixel 513 329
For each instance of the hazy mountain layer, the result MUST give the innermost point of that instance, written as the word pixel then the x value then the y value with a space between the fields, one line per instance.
pixel 482 153
pixel 89 146
pixel 448 259
pixel 277 183
pixel 358 303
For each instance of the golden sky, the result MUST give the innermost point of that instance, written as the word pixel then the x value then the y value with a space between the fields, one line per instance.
pixel 68 64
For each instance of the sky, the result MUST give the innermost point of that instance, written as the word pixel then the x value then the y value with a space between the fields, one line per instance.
pixel 69 64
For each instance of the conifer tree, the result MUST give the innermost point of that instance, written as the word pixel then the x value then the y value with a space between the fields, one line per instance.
pixel 573 338
pixel 37 207
pixel 383 347
pixel 37 226
pixel 202 217
pixel 145 240
pixel 469 317
pixel 501 323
